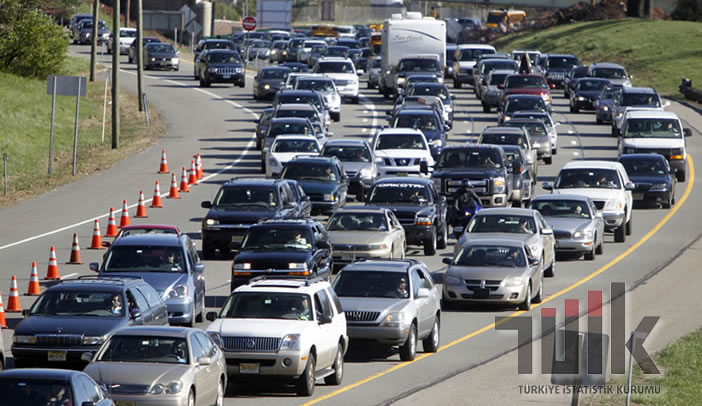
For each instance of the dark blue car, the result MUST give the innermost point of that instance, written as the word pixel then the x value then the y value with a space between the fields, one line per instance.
pixel 653 178
pixel 30 387
pixel 322 178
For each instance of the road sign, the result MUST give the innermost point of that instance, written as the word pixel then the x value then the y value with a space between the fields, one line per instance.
pixel 66 85
pixel 248 23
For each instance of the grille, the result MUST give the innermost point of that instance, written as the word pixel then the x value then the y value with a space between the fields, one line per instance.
pixel 472 296
pixel 665 152
pixel 599 204
pixel 399 161
pixel 316 196
pixel 59 340
pixel 227 71
pixel 406 218
pixel 251 344
pixel 489 284
pixel 556 76
pixel 129 389
pixel 245 223
pixel 350 174
pixel 480 186
pixel 354 247
pixel 342 82
pixel 361 316
pixel 562 235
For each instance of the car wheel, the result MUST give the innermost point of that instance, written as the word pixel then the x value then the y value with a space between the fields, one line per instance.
pixel 430 244
pixel 202 83
pixel 220 393
pixel 551 270
pixel 540 295
pixel 590 256
pixel 548 161
pixel 191 398
pixel 355 100
pixel 456 84
pixel 408 350
pixel 242 84
pixel 338 367
pixel 600 248
pixel 208 250
pixel 619 234
pixel 306 381
pixel 669 203
pixel 129 59
pixel 680 175
pixel 486 108
pixel 629 226
pixel 526 304
pixel 572 109
pixel 554 151
pixel 371 86
pixel 431 342
pixel 443 240
pixel 598 121
pixel 199 318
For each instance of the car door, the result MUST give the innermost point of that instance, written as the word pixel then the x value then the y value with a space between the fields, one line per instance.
pixel 205 377
pixel 147 316
pixel 327 339
pixel 598 219
pixel 157 306
pixel 420 305
pixel 289 207
pixel 548 240
pixel 434 302
pixel 306 209
pixel 90 390
pixel 198 278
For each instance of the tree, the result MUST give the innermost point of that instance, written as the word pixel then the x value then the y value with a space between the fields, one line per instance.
pixel 690 10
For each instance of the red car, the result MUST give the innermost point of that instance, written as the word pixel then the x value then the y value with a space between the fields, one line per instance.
pixel 526 84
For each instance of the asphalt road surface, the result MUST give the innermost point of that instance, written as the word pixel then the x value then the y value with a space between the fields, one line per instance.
pixel 219 122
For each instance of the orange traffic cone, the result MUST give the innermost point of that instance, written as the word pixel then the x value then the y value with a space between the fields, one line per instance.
pixel 184 181
pixel 52 272
pixel 164 163
pixel 13 302
pixel 198 166
pixel 192 179
pixel 3 322
pixel 111 225
pixel 156 200
pixel 96 243
pixel 141 208
pixel 124 217
pixel 75 251
pixel 173 194
pixel 33 289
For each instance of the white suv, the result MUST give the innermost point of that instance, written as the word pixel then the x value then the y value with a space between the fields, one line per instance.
pixel 285 148
pixel 402 152
pixel 343 72
pixel 609 187
pixel 283 327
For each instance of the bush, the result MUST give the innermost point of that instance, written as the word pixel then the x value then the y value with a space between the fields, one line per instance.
pixel 31 44
pixel 689 10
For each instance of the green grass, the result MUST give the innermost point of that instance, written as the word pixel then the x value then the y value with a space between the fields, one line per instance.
pixel 657 53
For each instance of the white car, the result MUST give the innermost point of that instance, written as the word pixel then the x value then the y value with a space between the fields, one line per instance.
pixel 304 52
pixel 284 328
pixel 285 148
pixel 126 37
pixel 632 99
pixel 343 73
pixel 326 88
pixel 607 184
pixel 402 151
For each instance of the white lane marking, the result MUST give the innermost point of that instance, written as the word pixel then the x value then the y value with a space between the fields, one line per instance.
pixel 226 168
pixel 575 153
pixel 70 275
pixel 570 131
pixel 365 120
pixel 573 142
pixel 369 105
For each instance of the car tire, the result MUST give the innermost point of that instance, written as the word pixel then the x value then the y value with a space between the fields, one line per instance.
pixel 431 342
pixel 443 239
pixel 619 234
pixel 408 350
pixel 306 381
pixel 540 295
pixel 598 121
pixel 448 304
pixel 600 248
pixel 338 367
pixel 669 203
pixel 615 131
pixel 526 304
pixel 554 151
pixel 486 108
pixel 355 100
pixel 221 389
pixel 680 175
pixel 551 270
pixel 208 250
pixel 242 84
pixel 548 161
pixel 629 227
pixel 191 398
pixel 430 245
pixel 456 84
pixel 200 316
pixel 590 256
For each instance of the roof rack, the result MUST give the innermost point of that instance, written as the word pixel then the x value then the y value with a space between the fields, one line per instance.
pixel 308 281
pixel 103 279
pixel 410 261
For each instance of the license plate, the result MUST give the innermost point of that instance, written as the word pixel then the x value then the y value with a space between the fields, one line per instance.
pixel 481 293
pixel 237 238
pixel 226 76
pixel 57 356
pixel 164 63
pixel 403 174
pixel 125 403
pixel 248 368
pixel 637 196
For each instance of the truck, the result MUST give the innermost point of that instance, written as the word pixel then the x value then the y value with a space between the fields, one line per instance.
pixel 405 36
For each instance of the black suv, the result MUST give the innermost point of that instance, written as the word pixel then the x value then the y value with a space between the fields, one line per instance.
pixel 78 315
pixel 298 247
pixel 206 44
pixel 421 210
pixel 221 66
pixel 555 67
pixel 322 178
pixel 242 202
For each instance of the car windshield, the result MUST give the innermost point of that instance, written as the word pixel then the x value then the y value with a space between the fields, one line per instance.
pixel 504 139
pixel 490 256
pixel 497 79
pixel 320 85
pixel 525 82
pixel 652 128
pixel 544 117
pixel 349 221
pixel 288 128
pixel 418 65
pixel 308 171
pixel 639 99
pixel 304 113
pixel 525 104
pixel 281 74
pixel 609 73
pixel 335 67
pixel 217 45
pixel 319 49
pixel 151 349
pixel 264 305
pixel 225 57
pixel 401 141
pixel 390 285
pixel 279 44
pixel 348 153
pixel 469 55
pixel 419 90
pixel 145 258
pixel 400 193
pixel 260 44
pixel 588 178
pixel 420 122
pixel 282 238
pixel 21 391
pixel 338 51
pixel 562 62
pixel 591 85
pixel 607 94
pixel 242 196
pixel 644 166
pixel 290 99
pixel 502 223
pixel 160 48
pixel 562 208
pixel 578 72
pixel 127 33
pixel 470 158
pixel 286 146
pixel 418 79
pixel 79 303
pixel 534 129
pixel 146 230
pixel 498 65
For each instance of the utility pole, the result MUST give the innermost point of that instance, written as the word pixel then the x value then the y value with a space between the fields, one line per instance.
pixel 115 75
pixel 129 10
pixel 140 55
pixel 212 23
pixel 93 45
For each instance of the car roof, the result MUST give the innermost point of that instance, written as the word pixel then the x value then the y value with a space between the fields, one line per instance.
pixel 169 240
pixel 296 120
pixel 592 165
pixel 470 146
pixel 283 285
pixel 503 130
pixel 524 121
pixel 475 46
pixel 285 68
pixel 159 331
pixel 39 373
pixel 399 131
pixel 651 156
pixel 295 106
pixel 381 266
pixel 360 209
pixel 512 211
pixel 502 72
pixel 651 113
pixel 414 111
pixel 564 196
pixel 154 226
pixel 347 142
pixel 502 242
pixel 306 160
pixel 91 283
pixel 606 65
pixel 640 90
pixel 402 179
pixel 294 137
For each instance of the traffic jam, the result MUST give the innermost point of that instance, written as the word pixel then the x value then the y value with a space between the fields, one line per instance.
pixel 332 242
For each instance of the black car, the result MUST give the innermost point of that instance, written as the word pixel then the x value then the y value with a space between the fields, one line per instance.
pixel 322 178
pixel 337 51
pixel 296 67
pixel 269 80
pixel 291 50
pixel 206 44
pixel 287 126
pixel 572 76
pixel 132 48
pixel 653 178
pixel 283 247
pixel 160 56
pixel 77 316
pixel 85 34
pixel 221 66
pixel 63 387
pixel 585 92
pixel 519 102
pixel 422 211
pixel 555 67
pixel 239 204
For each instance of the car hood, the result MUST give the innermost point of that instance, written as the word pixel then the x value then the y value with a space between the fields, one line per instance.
pixel 592 193
pixel 567 224
pixel 466 64
pixel 467 173
pixel 347 76
pixel 358 237
pixel 126 40
pixel 484 272
pixel 590 94
pixel 284 157
pixel 662 143
pixel 405 210
pixel 163 55
pixel 618 82
pixel 432 135
pixel 86 326
pixel 354 167
pixel 270 259
pixel 641 179
pixel 162 282
pixel 245 215
pixel 372 304
pixel 316 187
pixel 225 65
pixel 530 240
pixel 123 373
pixel 525 90
pixel 258 327
pixel 271 82
pixel 402 153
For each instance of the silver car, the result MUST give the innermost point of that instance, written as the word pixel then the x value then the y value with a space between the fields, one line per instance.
pixel 493 270
pixel 577 225
pixel 161 365
pixel 326 88
pixel 524 225
pixel 538 136
pixel 391 303
pixel 374 69
pixel 361 233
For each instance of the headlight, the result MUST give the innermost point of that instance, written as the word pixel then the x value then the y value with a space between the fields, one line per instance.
pixel 614 204
pixel 329 197
pixel 440 79
pixel 453 280
pixel 401 81
pixel 157 389
pixel 366 173
pixel 237 70
pixel 25 340
pixel 275 51
pixel 514 281
pixel 437 183
pixel 243 266
pixel 499 184
pixel 605 108
pixel 266 86
pixel 424 221
pixel 506 118
pixel 153 59
pixel 216 338
pixel 174 387
pixel 212 70
pixel 211 223
pixel 93 340
pixel 273 160
pixel 582 234
pixel 677 154
pixel 581 98
pixel 629 150
pixel 297 265
pixel 178 292
pixel 174 60
pixel 659 187
pixel 395 319
pixel 536 145
pixel 436 143
pixel 290 342
pixel 546 96
pixel 375 247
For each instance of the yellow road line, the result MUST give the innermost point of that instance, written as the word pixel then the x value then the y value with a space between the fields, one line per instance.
pixel 639 243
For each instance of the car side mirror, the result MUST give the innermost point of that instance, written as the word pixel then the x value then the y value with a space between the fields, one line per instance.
pixel 324 318
pixel 500 86
pixel 134 313
pixel 26 313
pixel 305 198
pixel 94 266
pixel 206 204
pixel 547 231
pixel 533 261
pixel 204 361
pixel 666 104
pixel 453 97
pixel 422 293
pixel 598 214
pixel 289 205
pixel 106 244
pixel 211 316
pixel 556 124
pixel 547 186
pixel 199 268
pixel 323 245
pixel 441 199
pixel 687 132
pixel 330 134
pixel 424 167
pixel 446 261
pixel 629 186
pixel 447 127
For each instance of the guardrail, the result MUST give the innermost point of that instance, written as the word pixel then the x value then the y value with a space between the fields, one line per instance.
pixel 690 92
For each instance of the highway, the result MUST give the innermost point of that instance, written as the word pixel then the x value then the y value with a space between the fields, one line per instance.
pixel 219 123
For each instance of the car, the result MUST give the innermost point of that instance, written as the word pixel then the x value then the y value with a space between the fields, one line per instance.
pixel 374 70
pixel 288 329
pixel 305 49
pixel 404 151
pixel 277 48
pixel 586 92
pixel 258 49
pixel 422 212
pixel 484 66
pixel 359 162
pixel 268 81
pixel 612 71
pixel 85 33
pixel 337 51
pixel 391 303
pixel 350 43
pixel 450 60
pixel 322 178
pixel 76 19
pixel 519 102
pixel 537 135
pixel 316 53
pixel 361 60
pixel 604 105
pixel 134 229
pixel 656 131
pixel 394 82
pixel 205 44
pixel 264 121
pixel 343 72
pixel 430 103
pixel 489 270
pixel 169 263
pixel 491 93
pixel 327 89
pixel 132 48
pixel 290 52
pixel 429 122
pixel 65 387
pixel 654 180
pixel 607 184
pixel 547 120
pixel 414 78
pixel 147 365
pixel 523 180
pixel 221 66
pixel 304 110
pixel 578 227
pixel 527 85
pixel 439 90
pixel 466 58
pixel 296 67
pixel 532 54
pixel 511 136
pixel 365 232
pixel 572 76
pixel 161 56
pixel 288 126
pixel 555 67
pixel 312 97
pixel 634 98
pixel 285 148
pixel 126 37
pixel 76 316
